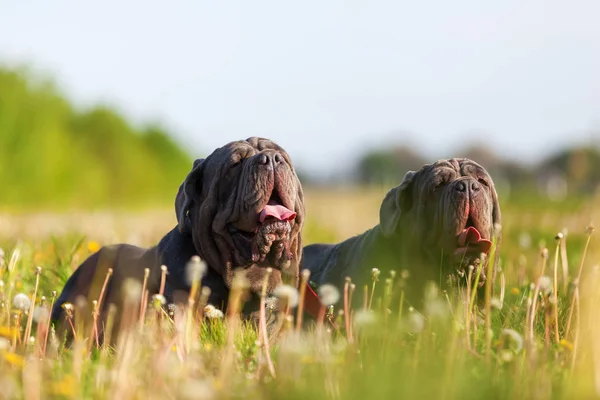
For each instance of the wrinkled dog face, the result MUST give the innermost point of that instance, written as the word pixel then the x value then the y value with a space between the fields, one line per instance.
pixel 450 206
pixel 244 207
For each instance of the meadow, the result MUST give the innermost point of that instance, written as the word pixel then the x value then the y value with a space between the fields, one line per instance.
pixel 535 338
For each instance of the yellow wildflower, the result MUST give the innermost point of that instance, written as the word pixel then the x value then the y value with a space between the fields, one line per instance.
pixel 514 290
pixel 13 359
pixel 65 387
pixel 566 344
pixel 7 332
pixel 93 246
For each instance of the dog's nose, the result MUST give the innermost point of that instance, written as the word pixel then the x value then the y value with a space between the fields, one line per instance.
pixel 264 159
pixel 461 186
pixel 270 158
pixel 470 185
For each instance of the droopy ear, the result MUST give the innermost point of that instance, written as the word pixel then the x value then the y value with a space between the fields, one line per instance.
pixel 186 193
pixel 396 202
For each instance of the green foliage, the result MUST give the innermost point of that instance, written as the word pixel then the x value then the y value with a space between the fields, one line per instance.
pixel 54 155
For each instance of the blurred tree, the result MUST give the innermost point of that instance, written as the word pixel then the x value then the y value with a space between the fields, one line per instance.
pixel 387 167
pixel 580 167
pixel 53 155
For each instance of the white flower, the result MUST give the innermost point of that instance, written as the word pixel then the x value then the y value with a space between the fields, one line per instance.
pixel 287 292
pixel 513 338
pixel 437 309
pixel 545 283
pixel 328 294
pixel 414 322
pixel 133 290
pixel 364 318
pixel 375 274
pixel 158 300
pixel 213 313
pixel 21 302
pixel 496 303
pixel 195 270
pixel 40 314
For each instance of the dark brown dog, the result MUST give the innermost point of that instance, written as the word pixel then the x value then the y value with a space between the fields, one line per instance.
pixel 438 219
pixel 240 208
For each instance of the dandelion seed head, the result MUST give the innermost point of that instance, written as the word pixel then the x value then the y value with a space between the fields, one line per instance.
pixel 132 289
pixel 437 309
pixel 496 303
pixel 414 322
pixel 328 294
pixel 545 283
pixel 195 270
pixel 158 300
pixel 513 339
pixel 40 314
pixel 375 274
pixel 364 318
pixel 590 229
pixel 21 302
pixel 212 312
pixel 559 236
pixel 306 274
pixel 287 292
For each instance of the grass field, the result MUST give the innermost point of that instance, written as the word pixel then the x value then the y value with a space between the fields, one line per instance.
pixel 524 343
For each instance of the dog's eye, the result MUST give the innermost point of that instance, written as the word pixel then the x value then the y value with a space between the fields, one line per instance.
pixel 236 163
pixel 483 181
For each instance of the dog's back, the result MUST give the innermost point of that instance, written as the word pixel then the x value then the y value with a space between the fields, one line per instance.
pixel 85 284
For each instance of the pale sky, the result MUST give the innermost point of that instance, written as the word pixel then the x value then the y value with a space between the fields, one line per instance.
pixel 328 78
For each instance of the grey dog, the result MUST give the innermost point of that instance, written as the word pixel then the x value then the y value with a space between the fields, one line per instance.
pixel 438 219
pixel 240 208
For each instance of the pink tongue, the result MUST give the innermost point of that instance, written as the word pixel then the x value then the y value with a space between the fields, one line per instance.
pixel 470 241
pixel 276 211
